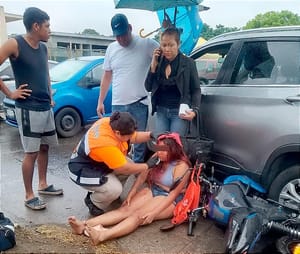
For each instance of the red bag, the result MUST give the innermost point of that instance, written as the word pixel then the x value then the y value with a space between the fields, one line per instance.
pixel 191 197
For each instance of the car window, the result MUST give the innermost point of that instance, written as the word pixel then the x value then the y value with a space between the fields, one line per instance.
pixel 92 78
pixel 66 69
pixel 274 62
pixel 209 63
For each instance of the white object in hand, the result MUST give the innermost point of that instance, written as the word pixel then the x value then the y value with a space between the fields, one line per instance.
pixel 183 108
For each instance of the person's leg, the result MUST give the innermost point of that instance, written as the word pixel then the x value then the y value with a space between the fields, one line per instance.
pixel 42 162
pixel 162 123
pixel 131 223
pixel 123 228
pixel 27 171
pixel 115 216
pixel 31 147
pixel 105 194
pixel 140 113
pixel 49 138
pixel 177 124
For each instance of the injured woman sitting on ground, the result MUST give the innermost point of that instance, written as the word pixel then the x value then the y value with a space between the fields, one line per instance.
pixel 145 203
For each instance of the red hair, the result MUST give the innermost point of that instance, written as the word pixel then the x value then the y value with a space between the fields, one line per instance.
pixel 175 153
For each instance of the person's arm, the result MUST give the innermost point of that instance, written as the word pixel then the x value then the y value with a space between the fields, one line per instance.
pixel 141 137
pixel 117 161
pixel 152 70
pixel 105 83
pixel 130 168
pixel 52 102
pixel 10 48
pixel 135 187
pixel 195 89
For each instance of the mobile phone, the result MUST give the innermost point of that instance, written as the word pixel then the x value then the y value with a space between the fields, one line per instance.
pixel 159 59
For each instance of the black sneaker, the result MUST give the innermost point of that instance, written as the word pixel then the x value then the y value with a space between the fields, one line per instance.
pixel 87 199
pixel 94 210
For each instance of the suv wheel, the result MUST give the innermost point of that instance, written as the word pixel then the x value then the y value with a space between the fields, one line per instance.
pixel 67 122
pixel 286 187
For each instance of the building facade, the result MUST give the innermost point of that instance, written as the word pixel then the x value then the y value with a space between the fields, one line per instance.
pixel 62 45
pixel 66 45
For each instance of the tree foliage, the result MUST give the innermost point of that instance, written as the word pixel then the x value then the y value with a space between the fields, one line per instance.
pixel 268 19
pixel 89 31
pixel 208 32
pixel 272 18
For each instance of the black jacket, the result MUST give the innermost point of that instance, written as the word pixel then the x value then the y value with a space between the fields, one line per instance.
pixel 187 81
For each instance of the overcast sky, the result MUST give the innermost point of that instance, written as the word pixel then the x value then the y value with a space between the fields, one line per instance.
pixel 74 16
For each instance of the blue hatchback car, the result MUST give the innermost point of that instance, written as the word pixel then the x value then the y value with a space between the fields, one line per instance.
pixel 75 86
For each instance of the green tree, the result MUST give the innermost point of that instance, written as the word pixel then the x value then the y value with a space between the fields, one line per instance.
pixel 273 18
pixel 208 32
pixel 89 31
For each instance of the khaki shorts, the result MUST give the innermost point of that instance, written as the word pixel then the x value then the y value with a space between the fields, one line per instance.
pixel 36 128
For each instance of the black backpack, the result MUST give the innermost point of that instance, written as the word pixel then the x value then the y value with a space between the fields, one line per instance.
pixel 7 233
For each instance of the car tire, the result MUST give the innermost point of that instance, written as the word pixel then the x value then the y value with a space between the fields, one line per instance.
pixel 286 186
pixel 67 122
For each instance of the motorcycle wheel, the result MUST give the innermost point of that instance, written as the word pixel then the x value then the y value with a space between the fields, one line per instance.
pixel 287 245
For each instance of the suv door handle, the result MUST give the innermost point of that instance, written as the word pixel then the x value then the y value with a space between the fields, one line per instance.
pixel 293 98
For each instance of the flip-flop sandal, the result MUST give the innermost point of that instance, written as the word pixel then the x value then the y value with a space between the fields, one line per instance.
pixel 35 204
pixel 167 227
pixel 50 190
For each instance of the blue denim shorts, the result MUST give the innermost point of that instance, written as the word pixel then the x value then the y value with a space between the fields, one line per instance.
pixel 158 191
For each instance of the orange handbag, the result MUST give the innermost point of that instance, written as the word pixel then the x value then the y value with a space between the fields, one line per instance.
pixel 191 197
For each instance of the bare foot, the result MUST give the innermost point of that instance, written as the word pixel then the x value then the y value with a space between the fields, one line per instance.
pixel 76 225
pixel 96 234
pixel 98 227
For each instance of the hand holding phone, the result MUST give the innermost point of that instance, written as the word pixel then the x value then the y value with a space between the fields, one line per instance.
pixel 157 54
pixel 156 59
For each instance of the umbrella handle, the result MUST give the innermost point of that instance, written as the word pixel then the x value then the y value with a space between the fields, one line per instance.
pixel 148 34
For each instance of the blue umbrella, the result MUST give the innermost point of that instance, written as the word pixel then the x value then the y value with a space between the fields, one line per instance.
pixel 183 14
pixel 187 19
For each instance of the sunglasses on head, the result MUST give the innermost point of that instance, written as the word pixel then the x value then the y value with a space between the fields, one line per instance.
pixel 171 135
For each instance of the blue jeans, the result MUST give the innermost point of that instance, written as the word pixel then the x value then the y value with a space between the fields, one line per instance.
pixel 158 191
pixel 140 112
pixel 168 120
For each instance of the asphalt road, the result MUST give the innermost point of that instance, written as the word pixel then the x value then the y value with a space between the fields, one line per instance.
pixel 207 237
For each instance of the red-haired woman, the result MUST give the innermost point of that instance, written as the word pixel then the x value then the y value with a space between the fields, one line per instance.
pixel 143 205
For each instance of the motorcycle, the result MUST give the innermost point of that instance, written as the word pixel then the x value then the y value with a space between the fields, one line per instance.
pixel 240 205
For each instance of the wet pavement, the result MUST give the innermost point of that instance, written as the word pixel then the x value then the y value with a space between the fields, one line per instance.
pixel 207 237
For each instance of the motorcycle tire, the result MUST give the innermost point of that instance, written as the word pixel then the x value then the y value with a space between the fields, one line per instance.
pixel 287 245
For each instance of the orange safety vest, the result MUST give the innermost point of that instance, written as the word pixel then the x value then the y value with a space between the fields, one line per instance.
pixel 85 170
pixel 102 135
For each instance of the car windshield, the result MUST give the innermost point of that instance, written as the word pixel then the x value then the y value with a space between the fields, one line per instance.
pixel 66 69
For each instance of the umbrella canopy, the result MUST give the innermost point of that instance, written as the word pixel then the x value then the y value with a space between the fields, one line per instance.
pixel 183 14
pixel 154 5
pixel 187 19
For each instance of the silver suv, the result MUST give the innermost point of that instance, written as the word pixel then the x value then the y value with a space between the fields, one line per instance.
pixel 252 107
